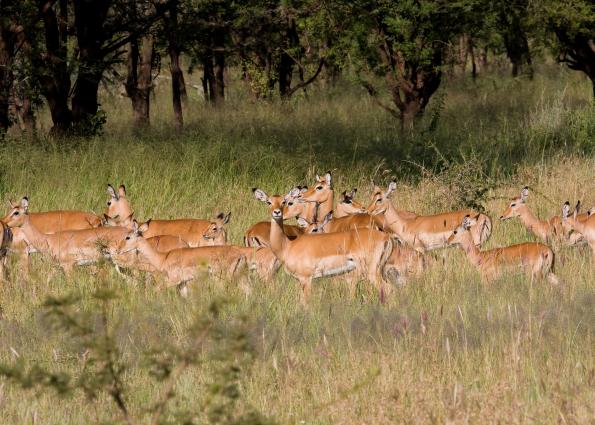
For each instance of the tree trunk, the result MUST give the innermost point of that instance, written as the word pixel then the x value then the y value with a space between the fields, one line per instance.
pixel 208 81
pixel 178 88
pixel 89 19
pixel 7 41
pixel 219 56
pixel 139 79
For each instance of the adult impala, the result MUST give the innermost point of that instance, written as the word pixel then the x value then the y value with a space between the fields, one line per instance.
pixel 347 205
pixel 319 198
pixel 363 252
pixel 403 262
pixel 48 222
pixel 69 247
pixel 553 229
pixel 534 259
pixel 120 212
pixel 184 264
pixel 424 232
pixel 584 227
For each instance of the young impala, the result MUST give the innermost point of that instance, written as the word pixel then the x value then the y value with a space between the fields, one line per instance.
pixel 403 262
pixel 191 230
pixel 424 232
pixel 69 247
pixel 534 259
pixel 553 229
pixel 363 252
pixel 584 227
pixel 182 265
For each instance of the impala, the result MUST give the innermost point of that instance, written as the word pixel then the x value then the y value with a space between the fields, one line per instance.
pixel 68 248
pixel 584 227
pixel 403 262
pixel 258 234
pixel 320 198
pixel 348 205
pixel 424 232
pixel 363 252
pixel 49 222
pixel 260 258
pixel 5 241
pixel 534 259
pixel 182 265
pixel 554 228
pixel 191 230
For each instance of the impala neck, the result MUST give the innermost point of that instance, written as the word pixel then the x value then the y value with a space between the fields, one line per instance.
pixel 528 219
pixel 473 253
pixel 325 207
pixel 33 236
pixel 154 257
pixel 278 238
pixel 392 220
pixel 339 211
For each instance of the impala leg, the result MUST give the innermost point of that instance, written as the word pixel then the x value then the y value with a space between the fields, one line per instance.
pixel 306 285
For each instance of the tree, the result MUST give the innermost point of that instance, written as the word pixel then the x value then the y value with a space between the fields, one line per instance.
pixel 513 21
pixel 573 23
pixel 405 42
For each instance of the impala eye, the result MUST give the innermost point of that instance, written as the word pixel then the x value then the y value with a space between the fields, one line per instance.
pixel 319 188
pixel 378 200
pixel 347 201
pixel 127 238
pixel 455 232
pixel 513 205
pixel 315 231
pixel 15 213
pixel 290 203
pixel 109 203
pixel 269 203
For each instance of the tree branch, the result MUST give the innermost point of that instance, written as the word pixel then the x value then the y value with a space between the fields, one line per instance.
pixel 374 94
pixel 308 81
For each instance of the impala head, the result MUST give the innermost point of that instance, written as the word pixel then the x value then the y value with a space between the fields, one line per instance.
pixel 320 192
pixel 348 204
pixel 516 205
pixel 118 206
pixel 17 213
pixel 130 241
pixel 276 203
pixel 380 199
pixel 315 227
pixel 459 235
pixel 216 231
pixel 566 211
pixel 293 207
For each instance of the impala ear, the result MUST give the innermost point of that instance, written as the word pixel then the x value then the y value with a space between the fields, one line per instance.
pixel 294 193
pixel 25 203
pixel 122 191
pixel 565 210
pixel 466 224
pixel 328 178
pixel 226 218
pixel 327 218
pixel 111 192
pixel 577 209
pixel 524 193
pixel 302 222
pixel 135 226
pixel 353 192
pixel 143 227
pixel 260 195
pixel 303 188
pixel 391 188
pixel 318 178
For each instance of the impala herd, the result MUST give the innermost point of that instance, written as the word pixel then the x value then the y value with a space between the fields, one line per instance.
pixel 377 243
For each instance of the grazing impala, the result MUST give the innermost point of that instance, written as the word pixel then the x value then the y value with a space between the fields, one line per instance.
pixel 191 230
pixel 68 248
pixel 363 251
pixel 584 227
pixel 534 259
pixel 182 265
pixel 424 232
pixel 403 262
pixel 553 229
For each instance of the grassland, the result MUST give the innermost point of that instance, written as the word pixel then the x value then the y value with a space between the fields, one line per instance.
pixel 443 349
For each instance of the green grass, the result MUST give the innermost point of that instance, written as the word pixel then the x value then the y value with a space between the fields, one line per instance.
pixel 445 348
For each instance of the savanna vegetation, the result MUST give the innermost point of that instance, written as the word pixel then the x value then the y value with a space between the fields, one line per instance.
pixel 191 104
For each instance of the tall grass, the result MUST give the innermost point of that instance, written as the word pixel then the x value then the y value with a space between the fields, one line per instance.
pixel 445 348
